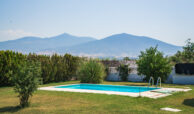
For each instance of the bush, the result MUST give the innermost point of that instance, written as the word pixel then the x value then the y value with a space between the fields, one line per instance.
pixel 26 81
pixel 92 72
pixel 124 71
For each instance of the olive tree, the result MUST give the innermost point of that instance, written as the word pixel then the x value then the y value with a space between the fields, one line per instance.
pixel 26 81
pixel 151 63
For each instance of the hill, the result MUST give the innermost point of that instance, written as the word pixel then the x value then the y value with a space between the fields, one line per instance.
pixel 36 44
pixel 119 45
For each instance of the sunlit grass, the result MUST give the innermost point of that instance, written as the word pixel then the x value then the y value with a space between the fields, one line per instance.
pixel 69 102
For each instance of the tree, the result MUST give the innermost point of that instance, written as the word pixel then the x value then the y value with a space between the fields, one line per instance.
pixel 9 62
pixel 71 64
pixel 126 59
pixel 188 51
pixel 26 81
pixel 186 56
pixel 124 71
pixel 54 68
pixel 92 72
pixel 151 63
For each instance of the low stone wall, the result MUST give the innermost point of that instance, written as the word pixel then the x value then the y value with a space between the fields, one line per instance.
pixel 131 77
pixel 182 78
pixel 135 78
pixel 114 75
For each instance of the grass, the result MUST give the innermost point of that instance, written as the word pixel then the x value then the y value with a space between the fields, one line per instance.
pixel 87 103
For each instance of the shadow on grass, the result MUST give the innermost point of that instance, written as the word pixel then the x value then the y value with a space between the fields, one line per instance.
pixel 10 109
pixel 189 102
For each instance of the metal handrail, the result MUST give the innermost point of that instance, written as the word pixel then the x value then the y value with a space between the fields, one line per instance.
pixel 151 79
pixel 159 79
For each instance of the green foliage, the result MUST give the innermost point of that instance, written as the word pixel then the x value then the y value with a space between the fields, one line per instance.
pixel 126 59
pixel 124 71
pixel 151 63
pixel 92 72
pixel 106 72
pixel 71 103
pixel 54 68
pixel 186 56
pixel 26 81
pixel 188 52
pixel 9 62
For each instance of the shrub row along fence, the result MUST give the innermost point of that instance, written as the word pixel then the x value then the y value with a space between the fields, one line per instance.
pixel 54 68
pixel 184 68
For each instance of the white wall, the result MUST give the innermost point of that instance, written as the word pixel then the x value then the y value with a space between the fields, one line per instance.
pixel 114 75
pixel 182 78
pixel 134 77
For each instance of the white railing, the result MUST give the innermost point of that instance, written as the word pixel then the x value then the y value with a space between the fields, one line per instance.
pixel 158 81
pixel 151 80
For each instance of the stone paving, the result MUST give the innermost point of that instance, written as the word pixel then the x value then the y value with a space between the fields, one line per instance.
pixel 163 92
pixel 170 109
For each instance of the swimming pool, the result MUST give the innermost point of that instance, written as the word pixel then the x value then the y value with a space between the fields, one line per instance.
pixel 116 88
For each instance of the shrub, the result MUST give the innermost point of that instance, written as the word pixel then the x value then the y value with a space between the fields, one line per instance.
pixel 124 71
pixel 26 81
pixel 92 72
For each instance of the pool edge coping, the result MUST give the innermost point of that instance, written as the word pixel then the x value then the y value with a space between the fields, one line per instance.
pixel 148 94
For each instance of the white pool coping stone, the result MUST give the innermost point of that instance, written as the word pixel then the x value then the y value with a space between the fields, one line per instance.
pixel 150 94
pixel 170 109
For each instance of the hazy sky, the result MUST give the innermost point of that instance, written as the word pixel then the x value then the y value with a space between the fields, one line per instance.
pixel 171 21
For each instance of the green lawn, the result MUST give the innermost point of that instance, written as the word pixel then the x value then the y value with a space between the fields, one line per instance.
pixel 69 102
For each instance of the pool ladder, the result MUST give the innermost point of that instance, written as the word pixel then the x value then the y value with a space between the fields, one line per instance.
pixel 158 81
pixel 151 80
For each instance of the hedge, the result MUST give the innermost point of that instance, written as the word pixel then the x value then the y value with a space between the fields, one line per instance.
pixel 54 68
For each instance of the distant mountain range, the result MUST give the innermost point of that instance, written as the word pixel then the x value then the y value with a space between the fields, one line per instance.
pixel 119 45
pixel 36 44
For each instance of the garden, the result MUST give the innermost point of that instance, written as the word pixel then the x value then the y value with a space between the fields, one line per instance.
pixel 21 75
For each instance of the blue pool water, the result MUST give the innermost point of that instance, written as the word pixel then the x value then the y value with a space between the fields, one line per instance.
pixel 117 88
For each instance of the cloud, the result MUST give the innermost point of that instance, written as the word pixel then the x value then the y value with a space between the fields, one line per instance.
pixel 14 34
